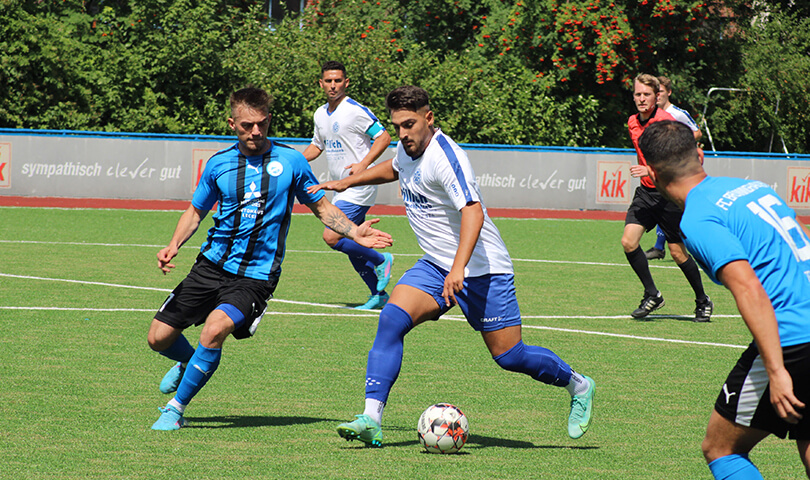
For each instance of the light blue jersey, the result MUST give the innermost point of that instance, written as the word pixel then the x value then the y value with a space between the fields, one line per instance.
pixel 729 219
pixel 255 196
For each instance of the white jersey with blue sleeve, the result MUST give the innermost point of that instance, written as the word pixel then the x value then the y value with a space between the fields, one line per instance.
pixel 682 116
pixel 435 187
pixel 728 219
pixel 346 134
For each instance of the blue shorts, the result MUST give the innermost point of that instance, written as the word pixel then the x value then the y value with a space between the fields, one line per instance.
pixel 356 213
pixel 487 302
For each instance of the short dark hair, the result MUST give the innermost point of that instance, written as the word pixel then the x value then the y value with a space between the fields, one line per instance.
pixel 407 97
pixel 333 65
pixel 669 148
pixel 665 83
pixel 252 97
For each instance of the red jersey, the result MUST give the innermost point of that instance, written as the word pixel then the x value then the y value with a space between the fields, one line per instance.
pixel 636 127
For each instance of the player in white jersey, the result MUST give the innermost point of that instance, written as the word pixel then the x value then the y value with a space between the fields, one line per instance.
pixel 681 115
pixel 465 263
pixel 345 130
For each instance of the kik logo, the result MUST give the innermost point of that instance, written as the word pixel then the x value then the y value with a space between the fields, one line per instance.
pixel 799 186
pixel 614 182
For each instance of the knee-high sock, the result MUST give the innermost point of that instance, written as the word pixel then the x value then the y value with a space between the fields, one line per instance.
pixel 660 238
pixel 641 266
pixel 539 363
pixel 385 357
pixel 179 351
pixel 734 467
pixel 200 368
pixel 692 273
pixel 363 260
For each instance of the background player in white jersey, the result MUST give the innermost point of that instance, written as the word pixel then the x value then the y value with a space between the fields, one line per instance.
pixel 681 115
pixel 748 239
pixel 345 129
pixel 465 263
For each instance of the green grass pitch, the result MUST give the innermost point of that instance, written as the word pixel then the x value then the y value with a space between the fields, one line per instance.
pixel 78 383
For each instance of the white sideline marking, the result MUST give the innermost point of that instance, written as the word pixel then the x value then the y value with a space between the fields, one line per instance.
pixel 325 251
pixel 454 318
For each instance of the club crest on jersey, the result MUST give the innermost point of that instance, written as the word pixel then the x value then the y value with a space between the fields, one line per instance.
pixel 417 176
pixel 275 168
pixel 335 127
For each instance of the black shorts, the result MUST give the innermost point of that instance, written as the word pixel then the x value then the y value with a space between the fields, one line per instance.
pixel 649 208
pixel 745 398
pixel 206 287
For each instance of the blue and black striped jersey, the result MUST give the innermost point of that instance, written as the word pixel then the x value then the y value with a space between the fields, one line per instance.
pixel 255 196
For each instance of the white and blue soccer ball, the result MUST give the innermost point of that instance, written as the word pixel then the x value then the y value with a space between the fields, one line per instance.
pixel 443 428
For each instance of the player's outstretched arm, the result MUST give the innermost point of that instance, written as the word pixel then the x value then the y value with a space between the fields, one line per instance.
pixel 472 219
pixel 758 314
pixel 376 175
pixel 186 226
pixel 365 234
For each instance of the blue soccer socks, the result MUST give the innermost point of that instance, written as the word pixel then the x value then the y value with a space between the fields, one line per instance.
pixel 734 467
pixel 363 260
pixel 202 365
pixel 540 363
pixel 385 357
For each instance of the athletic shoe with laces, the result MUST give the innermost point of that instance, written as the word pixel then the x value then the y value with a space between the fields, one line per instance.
pixel 649 304
pixel 374 302
pixel 170 419
pixel 654 254
pixel 383 271
pixel 581 409
pixel 364 429
pixel 172 378
pixel 703 310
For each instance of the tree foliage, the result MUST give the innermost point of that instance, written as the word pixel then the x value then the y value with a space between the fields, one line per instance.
pixel 546 72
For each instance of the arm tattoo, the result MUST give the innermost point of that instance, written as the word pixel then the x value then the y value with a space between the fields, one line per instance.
pixel 338 222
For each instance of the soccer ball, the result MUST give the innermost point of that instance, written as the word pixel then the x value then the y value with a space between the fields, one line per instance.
pixel 442 428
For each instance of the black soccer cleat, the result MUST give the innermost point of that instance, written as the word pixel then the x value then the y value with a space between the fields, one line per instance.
pixel 648 305
pixel 703 310
pixel 655 254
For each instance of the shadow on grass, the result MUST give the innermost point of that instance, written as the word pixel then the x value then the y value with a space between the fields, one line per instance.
pixel 480 441
pixel 650 318
pixel 241 421
pixel 475 442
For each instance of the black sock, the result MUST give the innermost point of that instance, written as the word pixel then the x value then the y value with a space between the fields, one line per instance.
pixel 692 273
pixel 638 260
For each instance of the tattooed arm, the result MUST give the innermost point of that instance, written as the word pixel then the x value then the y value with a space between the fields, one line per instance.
pixel 365 235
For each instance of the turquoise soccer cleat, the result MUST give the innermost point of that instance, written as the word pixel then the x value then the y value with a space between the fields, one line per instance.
pixel 581 409
pixel 172 378
pixel 364 429
pixel 374 302
pixel 383 271
pixel 170 419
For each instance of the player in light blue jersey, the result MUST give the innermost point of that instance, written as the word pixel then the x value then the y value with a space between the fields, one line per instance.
pixel 345 129
pixel 681 115
pixel 465 263
pixel 255 183
pixel 746 238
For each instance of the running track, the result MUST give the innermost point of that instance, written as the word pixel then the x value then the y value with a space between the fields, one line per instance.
pixel 57 202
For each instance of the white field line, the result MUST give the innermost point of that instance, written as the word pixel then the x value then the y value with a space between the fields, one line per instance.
pixel 366 313
pixel 324 251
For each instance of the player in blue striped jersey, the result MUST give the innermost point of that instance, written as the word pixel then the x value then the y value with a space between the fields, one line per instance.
pixel 465 263
pixel 255 183
pixel 345 130
pixel 746 238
